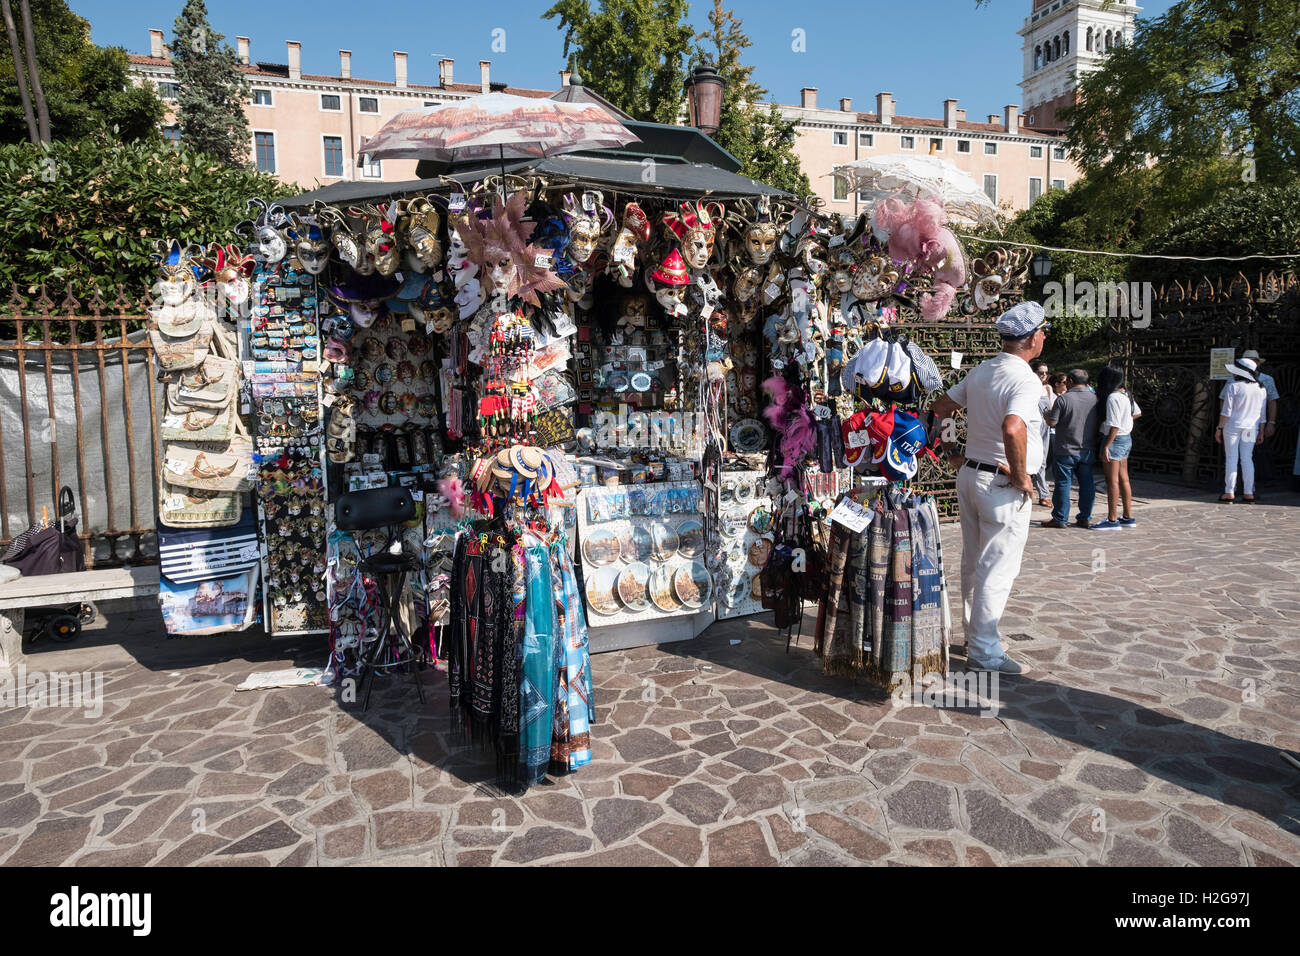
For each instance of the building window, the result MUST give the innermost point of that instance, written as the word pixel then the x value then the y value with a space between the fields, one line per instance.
pixel 1056 48
pixel 991 186
pixel 331 103
pixel 990 149
pixel 963 146
pixel 864 195
pixel 840 139
pixel 264 146
pixel 1038 57
pixel 373 168
pixel 172 134
pixel 333 155
pixel 1058 183
pixel 1087 43
pixel 262 97
pixel 906 142
pixel 840 189
pixel 1058 152
pixel 936 144
pixel 1065 42
pixel 866 139
pixel 1035 152
pixel 368 104
pixel 428 103
pixel 1035 188
pixel 168 91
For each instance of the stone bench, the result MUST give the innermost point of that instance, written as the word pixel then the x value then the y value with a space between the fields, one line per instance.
pixel 44 590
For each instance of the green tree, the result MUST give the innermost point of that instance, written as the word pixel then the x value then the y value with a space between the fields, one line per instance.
pixel 87 87
pixel 1208 78
pixel 212 90
pixel 754 132
pixel 632 52
pixel 86 213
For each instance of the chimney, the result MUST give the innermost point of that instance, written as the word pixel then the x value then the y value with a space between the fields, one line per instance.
pixel 399 69
pixel 961 116
pixel 444 71
pixel 484 77
pixel 295 60
pixel 242 45
pixel 156 48
pixel 885 108
pixel 564 77
pixel 345 64
pixel 994 118
pixel 846 104
pixel 1011 118
pixel 949 114
pixel 808 97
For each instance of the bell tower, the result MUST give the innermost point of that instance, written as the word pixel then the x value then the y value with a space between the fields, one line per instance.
pixel 1064 39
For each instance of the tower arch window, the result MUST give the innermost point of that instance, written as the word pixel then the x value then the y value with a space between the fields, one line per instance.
pixel 1088 40
pixel 1065 42
pixel 1038 57
pixel 1056 48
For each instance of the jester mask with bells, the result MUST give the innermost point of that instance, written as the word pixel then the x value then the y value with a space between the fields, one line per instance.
pixel 349 247
pixel 231 270
pixel 499 246
pixel 589 223
pixel 695 227
pixel 418 221
pixel 179 272
pixel 308 243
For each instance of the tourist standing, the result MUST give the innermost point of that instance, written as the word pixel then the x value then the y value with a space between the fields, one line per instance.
pixel 1074 450
pixel 1264 453
pixel 1241 428
pixel 995 489
pixel 1120 411
pixel 1044 405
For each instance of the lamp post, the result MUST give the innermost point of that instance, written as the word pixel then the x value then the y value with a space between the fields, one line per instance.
pixel 1041 265
pixel 704 98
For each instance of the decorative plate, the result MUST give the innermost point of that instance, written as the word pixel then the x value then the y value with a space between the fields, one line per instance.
pixel 618 382
pixel 692 584
pixel 666 541
pixel 602 591
pixel 690 536
pixel 634 586
pixel 661 589
pixel 637 544
pixel 641 382
pixel 601 547
pixel 748 436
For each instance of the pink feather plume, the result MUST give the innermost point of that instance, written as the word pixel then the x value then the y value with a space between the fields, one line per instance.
pixel 454 492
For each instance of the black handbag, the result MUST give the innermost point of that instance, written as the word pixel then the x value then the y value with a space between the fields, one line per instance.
pixel 49 548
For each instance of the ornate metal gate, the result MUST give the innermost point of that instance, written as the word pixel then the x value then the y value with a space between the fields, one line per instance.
pixel 1168 369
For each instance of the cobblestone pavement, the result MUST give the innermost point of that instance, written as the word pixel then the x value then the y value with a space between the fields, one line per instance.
pixel 1165 682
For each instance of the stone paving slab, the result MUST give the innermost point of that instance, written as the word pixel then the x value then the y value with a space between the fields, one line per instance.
pixel 1166 682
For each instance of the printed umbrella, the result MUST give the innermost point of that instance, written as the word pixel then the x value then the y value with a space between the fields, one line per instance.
pixel 496 126
pixel 929 176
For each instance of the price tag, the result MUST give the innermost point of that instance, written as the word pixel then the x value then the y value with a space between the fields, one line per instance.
pixel 249 553
pixel 771 292
pixel 588 202
pixel 328 400
pixel 417 495
pixel 859 439
pixel 408 325
pixel 707 311
pixel 624 253
pixel 175 465
pixel 777 364
pixel 851 515
pixel 456 202
pixel 836 241
pixel 955 360
pixel 174 502
pixel 542 260
pixel 370 459
pixel 822 411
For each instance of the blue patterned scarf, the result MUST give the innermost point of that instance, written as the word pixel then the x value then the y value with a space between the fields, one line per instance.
pixel 537 684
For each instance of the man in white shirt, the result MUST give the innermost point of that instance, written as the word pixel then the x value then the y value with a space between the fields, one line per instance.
pixel 1264 453
pixel 1004 447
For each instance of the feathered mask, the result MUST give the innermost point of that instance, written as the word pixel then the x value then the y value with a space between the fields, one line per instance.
pixel 499 246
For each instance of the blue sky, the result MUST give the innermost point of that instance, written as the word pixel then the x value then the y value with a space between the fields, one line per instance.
pixel 923 51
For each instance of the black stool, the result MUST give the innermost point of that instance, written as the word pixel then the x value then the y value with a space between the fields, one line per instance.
pixel 384 508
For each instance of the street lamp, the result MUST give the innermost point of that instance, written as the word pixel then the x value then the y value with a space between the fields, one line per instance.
pixel 1041 265
pixel 704 98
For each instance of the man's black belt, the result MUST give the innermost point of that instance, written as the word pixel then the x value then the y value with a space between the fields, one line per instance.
pixel 981 466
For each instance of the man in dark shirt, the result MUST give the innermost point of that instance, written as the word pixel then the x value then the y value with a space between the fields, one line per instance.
pixel 1074 416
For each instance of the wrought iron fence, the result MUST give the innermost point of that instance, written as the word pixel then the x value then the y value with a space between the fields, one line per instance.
pixel 1167 364
pixel 79 409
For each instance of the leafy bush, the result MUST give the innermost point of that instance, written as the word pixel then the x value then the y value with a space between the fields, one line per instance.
pixel 1245 220
pixel 86 214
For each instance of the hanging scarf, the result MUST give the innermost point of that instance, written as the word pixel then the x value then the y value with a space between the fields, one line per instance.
pixel 537 684
pixel 575 704
pixel 846 618
pixel 891 664
pixel 509 661
pixel 466 614
pixel 945 613
pixel 830 642
pixel 486 688
pixel 927 618
pixel 879 540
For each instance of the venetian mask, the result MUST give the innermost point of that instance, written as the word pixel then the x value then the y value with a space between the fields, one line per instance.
pixel 310 247
pixel 502 274
pixel 876 277
pixel 695 227
pixel 419 221
pixel 231 270
pixel 588 224
pixel 672 298
pixel 381 241
pixel 760 242
pixel 178 271
pixel 268 243
pixel 634 311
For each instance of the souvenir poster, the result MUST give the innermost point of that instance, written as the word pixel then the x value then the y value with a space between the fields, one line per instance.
pixel 642 551
pixel 211 606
